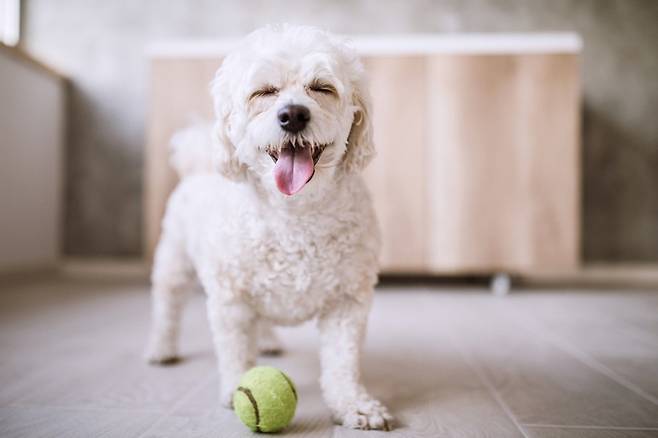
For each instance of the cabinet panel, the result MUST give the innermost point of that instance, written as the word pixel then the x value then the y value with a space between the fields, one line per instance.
pixel 504 162
pixel 396 177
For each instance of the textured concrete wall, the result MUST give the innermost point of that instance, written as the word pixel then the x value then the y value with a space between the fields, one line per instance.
pixel 100 45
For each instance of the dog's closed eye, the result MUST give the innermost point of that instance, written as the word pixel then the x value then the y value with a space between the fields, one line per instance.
pixel 322 87
pixel 268 90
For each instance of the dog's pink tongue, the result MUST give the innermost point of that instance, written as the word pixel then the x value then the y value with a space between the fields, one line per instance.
pixel 293 169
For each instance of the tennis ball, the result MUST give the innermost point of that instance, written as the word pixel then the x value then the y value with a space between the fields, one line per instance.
pixel 265 400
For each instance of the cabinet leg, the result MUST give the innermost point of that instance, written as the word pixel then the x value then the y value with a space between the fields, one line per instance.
pixel 501 284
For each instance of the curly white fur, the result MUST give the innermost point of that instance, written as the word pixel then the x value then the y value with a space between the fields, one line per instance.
pixel 264 257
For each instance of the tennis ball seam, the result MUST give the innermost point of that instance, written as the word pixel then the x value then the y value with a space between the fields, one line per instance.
pixel 292 387
pixel 250 396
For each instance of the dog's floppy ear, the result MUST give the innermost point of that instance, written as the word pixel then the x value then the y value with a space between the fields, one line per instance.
pixel 360 146
pixel 225 153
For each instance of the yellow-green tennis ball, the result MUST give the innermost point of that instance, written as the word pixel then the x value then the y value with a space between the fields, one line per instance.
pixel 265 400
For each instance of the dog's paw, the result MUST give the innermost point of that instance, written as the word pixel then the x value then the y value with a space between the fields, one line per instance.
pixel 226 397
pixel 161 354
pixel 366 415
pixel 229 382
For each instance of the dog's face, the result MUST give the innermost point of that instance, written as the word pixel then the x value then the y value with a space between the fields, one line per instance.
pixel 292 110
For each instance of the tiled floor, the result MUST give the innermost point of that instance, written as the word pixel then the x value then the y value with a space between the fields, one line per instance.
pixel 448 362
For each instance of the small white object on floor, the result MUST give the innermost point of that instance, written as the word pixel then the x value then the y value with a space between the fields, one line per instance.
pixel 501 284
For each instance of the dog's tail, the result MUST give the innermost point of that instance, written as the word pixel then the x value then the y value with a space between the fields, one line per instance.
pixel 191 150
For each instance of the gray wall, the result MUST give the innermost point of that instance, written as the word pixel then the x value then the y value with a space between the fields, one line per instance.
pixel 100 45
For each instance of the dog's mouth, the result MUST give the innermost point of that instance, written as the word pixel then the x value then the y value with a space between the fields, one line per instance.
pixel 274 155
pixel 294 165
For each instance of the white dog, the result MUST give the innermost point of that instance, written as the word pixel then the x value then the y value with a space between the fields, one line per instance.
pixel 285 231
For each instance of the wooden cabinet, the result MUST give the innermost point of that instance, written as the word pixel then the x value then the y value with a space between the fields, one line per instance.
pixel 478 147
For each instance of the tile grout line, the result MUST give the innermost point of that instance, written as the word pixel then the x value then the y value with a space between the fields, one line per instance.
pixel 496 395
pixel 493 392
pixel 586 359
pixel 584 427
pixel 178 404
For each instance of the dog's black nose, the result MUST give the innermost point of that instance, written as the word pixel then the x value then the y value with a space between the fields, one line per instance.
pixel 293 118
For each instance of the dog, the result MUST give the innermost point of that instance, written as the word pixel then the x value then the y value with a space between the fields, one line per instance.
pixel 272 216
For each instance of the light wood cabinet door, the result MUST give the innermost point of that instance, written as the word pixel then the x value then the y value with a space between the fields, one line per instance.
pixel 397 176
pixel 478 162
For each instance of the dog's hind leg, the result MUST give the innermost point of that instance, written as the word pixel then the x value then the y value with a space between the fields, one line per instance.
pixel 268 342
pixel 171 282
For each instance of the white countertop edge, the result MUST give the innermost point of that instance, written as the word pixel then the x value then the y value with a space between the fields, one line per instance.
pixel 404 44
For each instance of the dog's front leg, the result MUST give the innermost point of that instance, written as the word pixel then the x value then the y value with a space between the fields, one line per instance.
pixel 342 328
pixel 233 326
